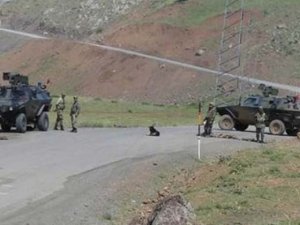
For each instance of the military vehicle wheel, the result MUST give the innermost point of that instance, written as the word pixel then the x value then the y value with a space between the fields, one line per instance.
pixel 291 132
pixel 277 127
pixel 241 127
pixel 5 127
pixel 43 122
pixel 21 123
pixel 226 122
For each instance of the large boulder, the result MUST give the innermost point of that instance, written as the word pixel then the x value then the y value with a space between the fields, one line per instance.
pixel 172 211
pixel 169 211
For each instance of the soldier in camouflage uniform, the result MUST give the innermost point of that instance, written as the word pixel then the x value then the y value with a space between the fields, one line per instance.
pixel 75 110
pixel 209 119
pixel 260 125
pixel 59 109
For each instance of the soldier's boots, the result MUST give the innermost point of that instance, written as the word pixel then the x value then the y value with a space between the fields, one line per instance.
pixel 61 127
pixel 74 130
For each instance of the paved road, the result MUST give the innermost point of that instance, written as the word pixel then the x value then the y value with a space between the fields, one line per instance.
pixel 168 61
pixel 36 164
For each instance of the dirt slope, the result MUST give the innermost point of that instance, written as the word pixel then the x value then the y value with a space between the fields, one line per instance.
pixel 177 31
pixel 84 70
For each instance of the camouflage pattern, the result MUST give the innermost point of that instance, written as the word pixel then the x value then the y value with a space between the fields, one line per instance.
pixel 260 117
pixel 209 119
pixel 75 110
pixel 59 108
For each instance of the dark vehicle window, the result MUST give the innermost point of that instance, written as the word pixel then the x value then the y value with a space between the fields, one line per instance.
pixel 251 102
pixel 3 92
pixel 20 95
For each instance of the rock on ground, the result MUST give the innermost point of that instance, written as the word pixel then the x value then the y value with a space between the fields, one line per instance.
pixel 170 211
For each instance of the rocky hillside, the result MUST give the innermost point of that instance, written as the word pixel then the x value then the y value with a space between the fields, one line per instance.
pixel 188 31
pixel 74 18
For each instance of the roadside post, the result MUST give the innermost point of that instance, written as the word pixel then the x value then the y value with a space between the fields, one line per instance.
pixel 200 122
pixel 200 119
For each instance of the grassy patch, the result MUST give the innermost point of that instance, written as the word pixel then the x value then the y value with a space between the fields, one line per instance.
pixel 96 112
pixel 259 187
pixel 198 11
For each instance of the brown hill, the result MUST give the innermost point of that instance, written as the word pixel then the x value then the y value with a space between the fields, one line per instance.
pixel 90 71
pixel 270 52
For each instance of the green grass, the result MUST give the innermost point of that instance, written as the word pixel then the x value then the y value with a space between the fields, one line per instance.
pixel 260 187
pixel 199 11
pixel 110 113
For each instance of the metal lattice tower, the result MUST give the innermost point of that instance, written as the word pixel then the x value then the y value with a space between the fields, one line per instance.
pixel 227 87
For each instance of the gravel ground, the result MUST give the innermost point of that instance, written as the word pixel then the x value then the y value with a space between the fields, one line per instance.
pixel 65 178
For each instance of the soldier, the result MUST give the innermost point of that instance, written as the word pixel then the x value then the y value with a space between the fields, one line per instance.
pixel 59 109
pixel 209 119
pixel 75 110
pixel 260 117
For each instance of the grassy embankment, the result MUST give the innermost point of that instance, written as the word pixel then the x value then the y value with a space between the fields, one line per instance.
pixel 253 187
pixel 109 113
pixel 196 12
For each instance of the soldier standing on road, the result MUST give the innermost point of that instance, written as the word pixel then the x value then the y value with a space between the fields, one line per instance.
pixel 59 109
pixel 75 110
pixel 260 125
pixel 209 119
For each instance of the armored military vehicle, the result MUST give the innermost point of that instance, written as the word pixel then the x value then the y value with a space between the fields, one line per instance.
pixel 283 113
pixel 22 104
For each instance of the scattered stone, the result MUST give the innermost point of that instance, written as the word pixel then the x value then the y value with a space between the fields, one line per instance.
pixel 154 164
pixel 146 202
pixel 138 221
pixel 162 66
pixel 107 216
pixel 200 52
pixel 3 138
pixel 281 26
pixel 160 194
pixel 298 135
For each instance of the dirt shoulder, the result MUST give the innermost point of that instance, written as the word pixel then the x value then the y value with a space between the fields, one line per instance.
pixel 251 187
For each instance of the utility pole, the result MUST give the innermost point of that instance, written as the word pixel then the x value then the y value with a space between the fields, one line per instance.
pixel 229 57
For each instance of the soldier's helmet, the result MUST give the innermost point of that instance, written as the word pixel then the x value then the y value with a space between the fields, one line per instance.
pixel 260 109
pixel 75 98
pixel 211 104
pixel 63 95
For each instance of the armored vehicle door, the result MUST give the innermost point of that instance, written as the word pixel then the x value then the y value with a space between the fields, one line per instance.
pixel 32 105
pixel 248 110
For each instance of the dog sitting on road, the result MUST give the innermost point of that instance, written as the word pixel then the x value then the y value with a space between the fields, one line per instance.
pixel 153 131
